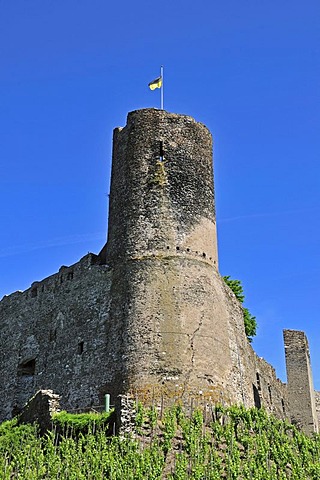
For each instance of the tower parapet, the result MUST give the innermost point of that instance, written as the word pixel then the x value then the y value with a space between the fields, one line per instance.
pixel 162 196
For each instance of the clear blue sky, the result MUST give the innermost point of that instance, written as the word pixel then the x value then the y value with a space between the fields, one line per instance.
pixel 70 70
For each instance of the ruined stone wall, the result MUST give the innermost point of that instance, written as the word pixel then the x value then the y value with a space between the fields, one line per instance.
pixel 58 335
pixel 300 383
pixel 40 409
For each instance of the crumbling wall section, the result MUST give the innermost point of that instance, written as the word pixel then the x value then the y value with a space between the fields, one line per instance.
pixel 300 383
pixel 40 409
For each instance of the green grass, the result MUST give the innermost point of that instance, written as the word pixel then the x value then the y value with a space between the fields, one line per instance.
pixel 233 443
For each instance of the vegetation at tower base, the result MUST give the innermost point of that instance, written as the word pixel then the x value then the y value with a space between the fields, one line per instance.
pixel 250 323
pixel 213 443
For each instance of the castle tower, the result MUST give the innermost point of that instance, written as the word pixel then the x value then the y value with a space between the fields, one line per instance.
pixel 162 249
pixel 150 313
pixel 300 384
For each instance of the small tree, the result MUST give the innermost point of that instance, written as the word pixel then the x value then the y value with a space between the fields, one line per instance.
pixel 250 324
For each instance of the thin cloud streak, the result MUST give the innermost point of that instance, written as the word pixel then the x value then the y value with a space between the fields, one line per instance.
pixel 54 242
pixel 266 214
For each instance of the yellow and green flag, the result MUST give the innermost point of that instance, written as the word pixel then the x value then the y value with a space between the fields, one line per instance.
pixel 157 83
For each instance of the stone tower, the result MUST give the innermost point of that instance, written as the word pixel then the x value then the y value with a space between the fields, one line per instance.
pixel 301 394
pixel 162 248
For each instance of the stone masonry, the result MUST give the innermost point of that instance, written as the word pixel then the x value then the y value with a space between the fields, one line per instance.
pixel 301 393
pixel 40 409
pixel 150 314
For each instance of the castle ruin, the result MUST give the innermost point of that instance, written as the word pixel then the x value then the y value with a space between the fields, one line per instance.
pixel 150 313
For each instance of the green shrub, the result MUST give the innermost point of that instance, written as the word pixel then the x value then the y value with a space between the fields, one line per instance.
pixel 69 423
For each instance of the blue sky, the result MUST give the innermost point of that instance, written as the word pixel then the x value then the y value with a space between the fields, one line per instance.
pixel 71 70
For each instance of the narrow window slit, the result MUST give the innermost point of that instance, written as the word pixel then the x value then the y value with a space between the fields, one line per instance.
pixel 256 396
pixel 161 151
pixel 270 394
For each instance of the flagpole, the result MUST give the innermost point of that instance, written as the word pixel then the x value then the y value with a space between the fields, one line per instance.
pixel 161 89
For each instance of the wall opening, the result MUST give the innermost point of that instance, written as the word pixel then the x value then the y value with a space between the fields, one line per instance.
pixel 27 368
pixel 70 276
pixel 256 396
pixel 161 151
pixel 270 393
pixel 80 348
pixel 283 406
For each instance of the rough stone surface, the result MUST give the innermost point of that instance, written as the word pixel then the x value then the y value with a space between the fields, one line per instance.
pixel 150 314
pixel 58 335
pixel 125 407
pixel 317 400
pixel 40 409
pixel 300 384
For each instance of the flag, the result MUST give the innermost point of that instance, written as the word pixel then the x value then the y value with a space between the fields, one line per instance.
pixel 157 83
